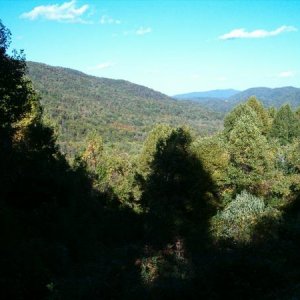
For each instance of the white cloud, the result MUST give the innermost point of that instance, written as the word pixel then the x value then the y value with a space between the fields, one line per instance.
pixel 140 31
pixel 286 74
pixel 241 33
pixel 104 65
pixel 109 20
pixel 143 30
pixel 66 12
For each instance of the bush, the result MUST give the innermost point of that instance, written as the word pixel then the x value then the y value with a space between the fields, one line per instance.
pixel 240 218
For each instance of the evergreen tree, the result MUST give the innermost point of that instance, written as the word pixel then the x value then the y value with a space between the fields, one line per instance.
pixel 176 188
pixel 286 125
pixel 250 156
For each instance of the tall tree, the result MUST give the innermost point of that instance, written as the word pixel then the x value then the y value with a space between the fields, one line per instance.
pixel 250 156
pixel 262 114
pixel 16 95
pixel 286 125
pixel 214 155
pixel 176 188
pixel 241 110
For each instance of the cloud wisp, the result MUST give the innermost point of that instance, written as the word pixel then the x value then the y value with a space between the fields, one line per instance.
pixel 66 12
pixel 109 20
pixel 241 33
pixel 140 31
pixel 104 65
pixel 286 74
pixel 143 30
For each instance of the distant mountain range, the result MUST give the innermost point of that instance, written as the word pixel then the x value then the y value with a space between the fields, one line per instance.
pixel 268 96
pixel 120 111
pixel 223 94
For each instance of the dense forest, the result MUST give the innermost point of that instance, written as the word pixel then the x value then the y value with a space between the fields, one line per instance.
pixel 188 217
pixel 120 111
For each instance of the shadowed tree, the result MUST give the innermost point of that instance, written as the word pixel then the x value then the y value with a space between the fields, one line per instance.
pixel 177 193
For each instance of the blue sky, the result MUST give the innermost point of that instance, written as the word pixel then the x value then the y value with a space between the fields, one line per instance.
pixel 171 46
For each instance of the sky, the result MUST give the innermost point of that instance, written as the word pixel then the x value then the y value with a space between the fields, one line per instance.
pixel 170 46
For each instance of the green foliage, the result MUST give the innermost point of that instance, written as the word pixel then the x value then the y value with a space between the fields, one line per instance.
pixel 286 125
pixel 157 135
pixel 262 114
pixel 234 116
pixel 250 156
pixel 121 112
pixel 114 226
pixel 239 218
pixel 269 97
pixel 214 155
pixel 254 110
pixel 176 190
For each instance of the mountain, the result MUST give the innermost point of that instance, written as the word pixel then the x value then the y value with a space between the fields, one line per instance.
pixel 120 111
pixel 268 96
pixel 222 94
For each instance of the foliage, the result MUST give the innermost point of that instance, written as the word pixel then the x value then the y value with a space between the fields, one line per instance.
pixel 176 191
pixel 285 126
pixel 119 111
pixel 214 155
pixel 239 218
pixel 118 226
pixel 249 154
pixel 262 114
pixel 234 116
pixel 268 97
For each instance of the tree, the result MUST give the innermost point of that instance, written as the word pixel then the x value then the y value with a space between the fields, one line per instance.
pixel 250 156
pixel 234 116
pixel 16 95
pixel 176 190
pixel 286 125
pixel 93 153
pixel 214 155
pixel 237 222
pixel 261 113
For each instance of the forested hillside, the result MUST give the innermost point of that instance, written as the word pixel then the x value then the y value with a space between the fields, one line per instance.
pixel 188 217
pixel 120 111
pixel 269 97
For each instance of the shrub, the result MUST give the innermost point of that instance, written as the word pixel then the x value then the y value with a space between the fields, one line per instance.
pixel 240 218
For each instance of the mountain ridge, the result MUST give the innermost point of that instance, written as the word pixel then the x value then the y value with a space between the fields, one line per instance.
pixel 118 110
pixel 268 96
pixel 218 93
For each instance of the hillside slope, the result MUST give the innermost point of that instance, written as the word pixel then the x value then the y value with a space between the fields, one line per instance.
pixel 120 111
pixel 269 97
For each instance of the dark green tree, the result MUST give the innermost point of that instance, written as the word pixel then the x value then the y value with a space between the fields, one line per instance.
pixel 286 125
pixel 16 94
pixel 176 191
